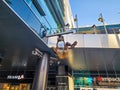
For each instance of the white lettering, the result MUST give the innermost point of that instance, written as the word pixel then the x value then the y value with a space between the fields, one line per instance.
pixel 111 79
pixel 15 77
pixel 61 83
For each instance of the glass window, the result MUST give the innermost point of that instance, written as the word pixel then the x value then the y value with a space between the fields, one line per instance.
pixel 23 11
pixel 46 20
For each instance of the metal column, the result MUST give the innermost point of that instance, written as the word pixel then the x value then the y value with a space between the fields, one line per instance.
pixel 40 78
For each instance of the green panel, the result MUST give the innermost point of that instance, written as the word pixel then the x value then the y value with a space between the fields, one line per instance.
pixel 83 81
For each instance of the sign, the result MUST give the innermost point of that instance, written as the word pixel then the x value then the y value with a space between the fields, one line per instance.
pixel 85 88
pixel 102 81
pixel 61 83
pixel 109 79
pixel 83 81
pixel 18 77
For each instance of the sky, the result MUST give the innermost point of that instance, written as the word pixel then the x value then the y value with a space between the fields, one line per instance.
pixel 88 11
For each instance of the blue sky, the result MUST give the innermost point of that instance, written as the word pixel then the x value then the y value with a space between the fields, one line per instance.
pixel 88 11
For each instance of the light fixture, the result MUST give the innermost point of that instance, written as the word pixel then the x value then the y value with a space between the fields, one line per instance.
pixel 24 64
pixel 37 52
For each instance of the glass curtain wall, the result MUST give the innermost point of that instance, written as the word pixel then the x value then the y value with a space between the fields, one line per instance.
pixel 27 11
pixel 47 21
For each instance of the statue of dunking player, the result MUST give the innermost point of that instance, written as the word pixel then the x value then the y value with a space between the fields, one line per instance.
pixel 62 48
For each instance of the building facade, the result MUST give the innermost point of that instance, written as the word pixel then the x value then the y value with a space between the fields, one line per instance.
pixel 95 60
pixel 69 19
pixel 23 25
pixel 23 52
pixel 61 11
pixel 34 13
pixel 111 29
